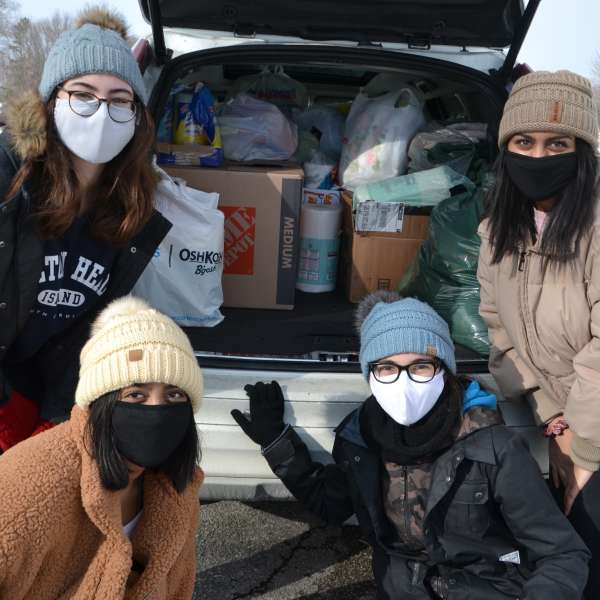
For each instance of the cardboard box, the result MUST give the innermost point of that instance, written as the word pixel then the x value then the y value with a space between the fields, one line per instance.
pixel 374 261
pixel 262 219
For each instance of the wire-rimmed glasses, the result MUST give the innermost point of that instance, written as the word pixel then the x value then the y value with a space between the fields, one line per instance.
pixel 86 104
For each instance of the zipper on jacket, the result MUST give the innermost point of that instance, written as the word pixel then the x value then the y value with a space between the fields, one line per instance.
pixel 526 317
pixel 405 503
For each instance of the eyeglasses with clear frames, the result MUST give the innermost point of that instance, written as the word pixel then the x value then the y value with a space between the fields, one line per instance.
pixel 86 104
pixel 419 371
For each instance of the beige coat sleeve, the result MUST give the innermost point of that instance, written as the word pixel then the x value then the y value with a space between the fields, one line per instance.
pixel 583 404
pixel 513 376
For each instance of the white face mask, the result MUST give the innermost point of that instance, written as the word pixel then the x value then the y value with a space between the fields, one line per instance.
pixel 96 139
pixel 407 401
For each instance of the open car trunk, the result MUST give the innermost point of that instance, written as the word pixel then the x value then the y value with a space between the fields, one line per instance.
pixel 319 331
pixel 417 23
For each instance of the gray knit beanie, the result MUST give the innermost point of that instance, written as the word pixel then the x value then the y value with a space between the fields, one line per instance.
pixel 96 45
pixel 560 102
pixel 391 325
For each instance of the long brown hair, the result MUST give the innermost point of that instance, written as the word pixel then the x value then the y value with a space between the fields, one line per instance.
pixel 123 197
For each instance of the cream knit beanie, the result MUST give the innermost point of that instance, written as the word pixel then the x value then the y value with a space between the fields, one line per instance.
pixel 560 102
pixel 133 343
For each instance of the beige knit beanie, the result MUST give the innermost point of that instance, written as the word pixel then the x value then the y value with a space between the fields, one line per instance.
pixel 560 102
pixel 133 343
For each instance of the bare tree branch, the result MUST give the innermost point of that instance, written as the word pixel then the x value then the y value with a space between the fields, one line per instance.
pixel 8 15
pixel 26 49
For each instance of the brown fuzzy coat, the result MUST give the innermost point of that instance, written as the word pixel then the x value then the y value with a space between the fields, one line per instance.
pixel 61 534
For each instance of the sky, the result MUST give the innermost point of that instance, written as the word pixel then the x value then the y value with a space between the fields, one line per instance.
pixel 565 34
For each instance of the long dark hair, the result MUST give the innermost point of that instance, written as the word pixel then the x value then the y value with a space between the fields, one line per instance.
pixel 511 218
pixel 114 475
pixel 125 190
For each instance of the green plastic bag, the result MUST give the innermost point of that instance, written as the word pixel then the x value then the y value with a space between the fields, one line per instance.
pixel 444 273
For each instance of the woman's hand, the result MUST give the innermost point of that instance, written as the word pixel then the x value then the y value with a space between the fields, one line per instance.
pixel 266 413
pixel 564 472
pixel 561 465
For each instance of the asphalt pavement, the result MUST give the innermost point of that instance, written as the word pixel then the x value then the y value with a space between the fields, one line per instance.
pixel 278 551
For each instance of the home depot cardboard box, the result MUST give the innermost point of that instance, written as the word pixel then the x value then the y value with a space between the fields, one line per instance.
pixel 373 261
pixel 262 214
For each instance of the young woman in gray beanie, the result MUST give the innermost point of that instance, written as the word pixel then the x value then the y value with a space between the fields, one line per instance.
pixel 450 499
pixel 539 271
pixel 77 217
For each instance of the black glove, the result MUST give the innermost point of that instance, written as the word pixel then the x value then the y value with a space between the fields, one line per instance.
pixel 266 413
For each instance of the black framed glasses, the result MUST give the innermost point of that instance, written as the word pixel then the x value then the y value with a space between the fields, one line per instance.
pixel 419 371
pixel 86 104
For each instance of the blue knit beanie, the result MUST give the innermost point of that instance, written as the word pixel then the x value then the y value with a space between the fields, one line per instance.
pixel 404 325
pixel 97 45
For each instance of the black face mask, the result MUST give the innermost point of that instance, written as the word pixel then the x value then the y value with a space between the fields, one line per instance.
pixel 148 435
pixel 541 178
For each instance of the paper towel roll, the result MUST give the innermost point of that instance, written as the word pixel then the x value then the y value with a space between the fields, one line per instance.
pixel 319 247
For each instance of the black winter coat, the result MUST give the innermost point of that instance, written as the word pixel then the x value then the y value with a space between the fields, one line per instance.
pixel 487 500
pixel 21 258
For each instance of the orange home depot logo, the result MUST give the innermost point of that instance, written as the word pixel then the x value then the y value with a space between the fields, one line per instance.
pixel 240 236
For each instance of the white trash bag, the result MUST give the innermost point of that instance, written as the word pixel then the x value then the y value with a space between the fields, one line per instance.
pixel 183 279
pixel 255 130
pixel 377 135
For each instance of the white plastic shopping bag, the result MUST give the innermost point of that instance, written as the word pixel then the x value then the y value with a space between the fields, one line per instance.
pixel 183 279
pixel 378 132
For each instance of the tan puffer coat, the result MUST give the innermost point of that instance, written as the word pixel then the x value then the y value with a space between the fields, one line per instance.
pixel 544 330
pixel 61 534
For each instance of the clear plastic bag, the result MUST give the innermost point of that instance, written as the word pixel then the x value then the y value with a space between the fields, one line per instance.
pixel 202 107
pixel 326 123
pixel 308 144
pixel 256 130
pixel 165 126
pixel 319 171
pixel 377 135
pixel 189 118
pixel 273 86
pixel 430 149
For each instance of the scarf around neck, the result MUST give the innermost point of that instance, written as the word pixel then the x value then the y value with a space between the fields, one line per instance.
pixel 416 443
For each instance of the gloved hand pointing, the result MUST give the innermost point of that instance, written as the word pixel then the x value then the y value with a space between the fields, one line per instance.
pixel 266 413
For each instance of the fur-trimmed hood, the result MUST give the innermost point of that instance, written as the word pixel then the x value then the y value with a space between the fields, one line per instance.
pixel 27 123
